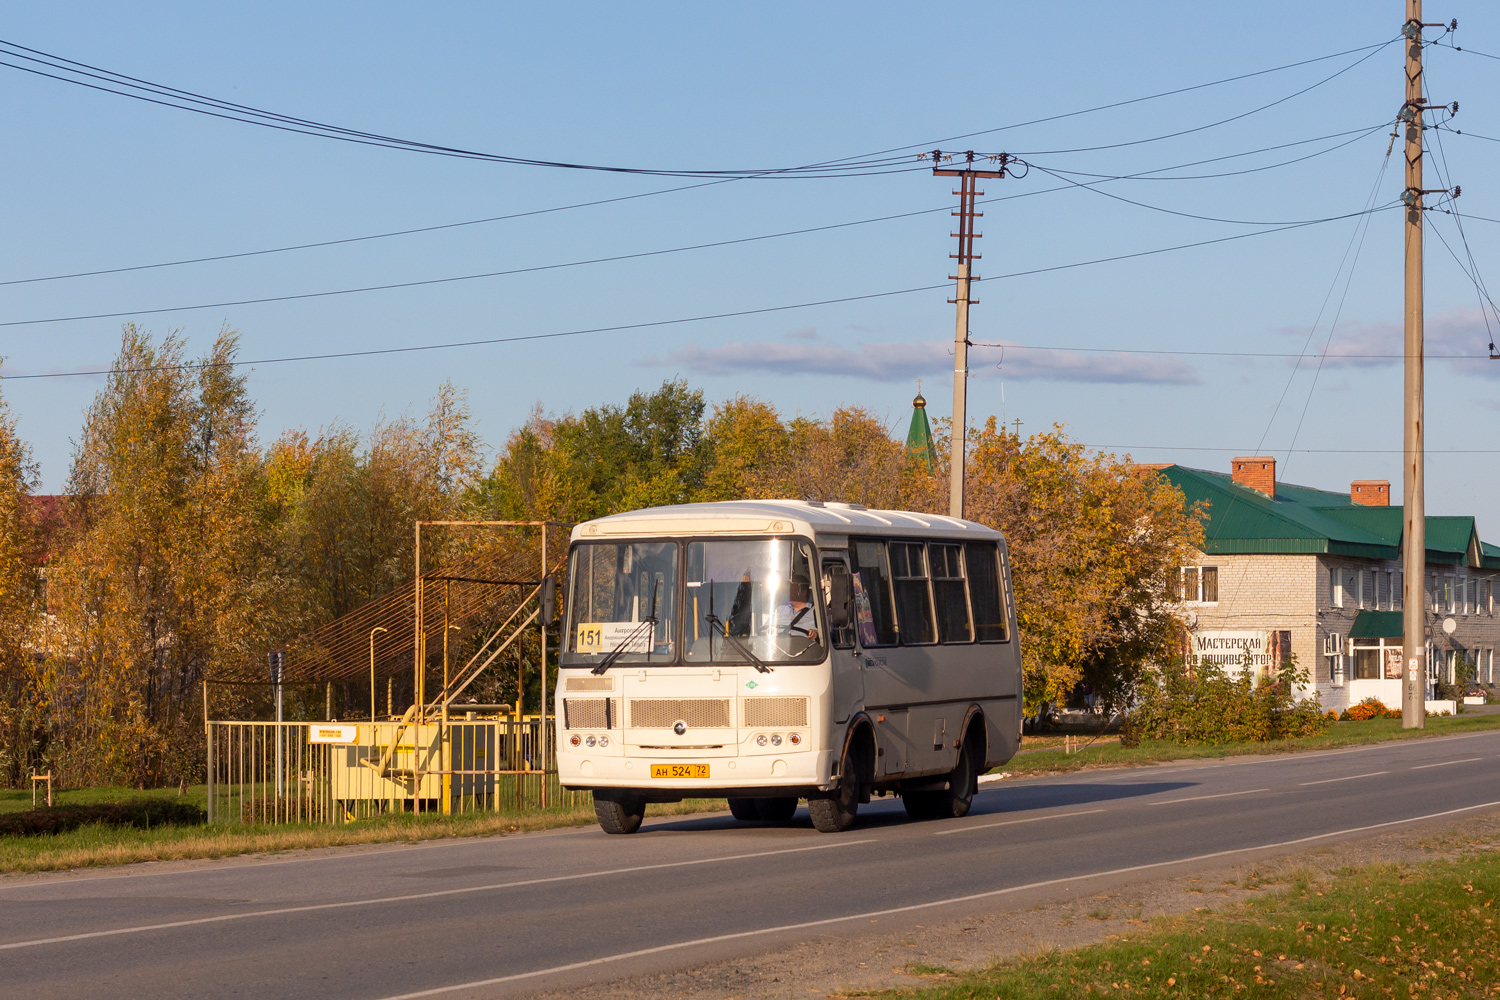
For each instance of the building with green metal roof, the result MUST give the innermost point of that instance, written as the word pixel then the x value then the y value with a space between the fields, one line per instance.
pixel 1293 571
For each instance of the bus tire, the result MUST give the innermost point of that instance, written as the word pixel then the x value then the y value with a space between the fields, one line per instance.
pixel 963 782
pixel 619 811
pixel 833 812
pixel 777 810
pixel 744 810
pixel 923 805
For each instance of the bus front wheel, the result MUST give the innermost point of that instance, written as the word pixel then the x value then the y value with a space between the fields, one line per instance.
pixel 833 812
pixel 619 811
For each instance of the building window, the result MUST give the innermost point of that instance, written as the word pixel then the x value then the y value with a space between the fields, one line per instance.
pixel 1489 668
pixel 1375 662
pixel 1333 652
pixel 1397 594
pixel 1382 590
pixel 1335 587
pixel 1195 585
pixel 1471 602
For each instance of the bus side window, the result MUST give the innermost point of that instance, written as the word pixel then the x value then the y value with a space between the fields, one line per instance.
pixel 983 563
pixel 838 595
pixel 913 596
pixel 872 592
pixel 950 593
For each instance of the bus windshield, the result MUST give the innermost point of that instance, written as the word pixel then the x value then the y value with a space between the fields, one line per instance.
pixel 615 589
pixel 751 596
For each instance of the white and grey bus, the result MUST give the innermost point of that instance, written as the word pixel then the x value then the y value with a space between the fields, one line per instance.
pixel 776 650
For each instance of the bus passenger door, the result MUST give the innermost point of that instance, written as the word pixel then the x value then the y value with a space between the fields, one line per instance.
pixel 847 679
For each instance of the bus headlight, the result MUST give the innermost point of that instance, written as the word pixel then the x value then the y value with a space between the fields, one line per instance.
pixel 760 740
pixel 590 741
pixel 776 740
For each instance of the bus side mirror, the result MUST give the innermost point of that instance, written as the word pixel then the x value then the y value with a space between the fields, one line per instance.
pixel 549 599
pixel 838 601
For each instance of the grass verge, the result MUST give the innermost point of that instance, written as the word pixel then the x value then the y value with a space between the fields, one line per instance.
pixel 1425 930
pixel 96 844
pixel 1338 734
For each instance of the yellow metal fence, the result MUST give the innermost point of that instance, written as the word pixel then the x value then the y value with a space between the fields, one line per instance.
pixel 317 772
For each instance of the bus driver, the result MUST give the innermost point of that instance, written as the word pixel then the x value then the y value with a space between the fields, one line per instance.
pixel 797 616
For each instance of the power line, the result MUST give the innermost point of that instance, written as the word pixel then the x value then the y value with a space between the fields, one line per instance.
pixel 359 239
pixel 1136 100
pixel 79 73
pixel 1146 175
pixel 1357 133
pixel 667 322
pixel 1190 215
pixel 1296 451
pixel 1216 124
pixel 156 311
pixel 411 349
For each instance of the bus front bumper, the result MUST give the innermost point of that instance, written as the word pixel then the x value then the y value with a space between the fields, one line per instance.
pixel 748 775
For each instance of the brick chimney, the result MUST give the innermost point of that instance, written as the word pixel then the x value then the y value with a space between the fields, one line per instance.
pixel 1257 472
pixel 1371 492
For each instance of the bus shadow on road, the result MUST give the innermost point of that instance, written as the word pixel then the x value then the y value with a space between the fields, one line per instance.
pixel 883 812
pixel 1028 798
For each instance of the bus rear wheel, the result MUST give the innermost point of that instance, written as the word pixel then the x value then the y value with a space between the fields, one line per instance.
pixel 777 810
pixel 744 810
pixel 619 811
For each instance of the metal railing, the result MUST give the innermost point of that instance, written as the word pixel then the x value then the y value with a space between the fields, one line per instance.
pixel 316 772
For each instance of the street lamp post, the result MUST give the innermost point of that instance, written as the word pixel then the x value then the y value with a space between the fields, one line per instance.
pixel 377 628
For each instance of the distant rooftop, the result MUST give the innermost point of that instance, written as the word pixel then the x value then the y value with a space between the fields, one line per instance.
pixel 1301 519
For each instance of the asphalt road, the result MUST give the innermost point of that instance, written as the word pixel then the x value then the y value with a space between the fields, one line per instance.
pixel 512 915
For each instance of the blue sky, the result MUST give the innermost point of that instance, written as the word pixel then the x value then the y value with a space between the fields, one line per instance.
pixel 96 181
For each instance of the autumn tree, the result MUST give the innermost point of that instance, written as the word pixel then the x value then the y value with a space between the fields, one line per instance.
pixel 1091 540
pixel 22 723
pixel 162 580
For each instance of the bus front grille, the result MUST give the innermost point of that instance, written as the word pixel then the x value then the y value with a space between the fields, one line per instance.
pixel 662 713
pixel 591 684
pixel 775 713
pixel 588 713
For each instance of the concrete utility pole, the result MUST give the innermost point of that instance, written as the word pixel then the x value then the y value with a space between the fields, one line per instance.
pixel 966 215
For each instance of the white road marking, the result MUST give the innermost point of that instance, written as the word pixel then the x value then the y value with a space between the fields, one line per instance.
pixel 1012 822
pixel 874 914
pixel 1445 763
pixel 433 894
pixel 1347 777
pixel 1200 798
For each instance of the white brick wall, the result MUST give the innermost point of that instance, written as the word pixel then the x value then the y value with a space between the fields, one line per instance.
pixel 1291 593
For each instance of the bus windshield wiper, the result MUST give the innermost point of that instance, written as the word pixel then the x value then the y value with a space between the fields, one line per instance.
pixel 744 650
pixel 629 640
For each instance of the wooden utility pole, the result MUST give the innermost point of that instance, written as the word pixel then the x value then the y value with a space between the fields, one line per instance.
pixel 1414 530
pixel 966 215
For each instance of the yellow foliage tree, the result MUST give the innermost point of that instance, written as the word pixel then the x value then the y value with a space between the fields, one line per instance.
pixel 1091 540
pixel 161 582
pixel 22 726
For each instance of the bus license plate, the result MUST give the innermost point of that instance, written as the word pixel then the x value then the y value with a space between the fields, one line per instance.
pixel 679 770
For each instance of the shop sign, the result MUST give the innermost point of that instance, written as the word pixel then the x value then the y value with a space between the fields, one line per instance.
pixel 1227 649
